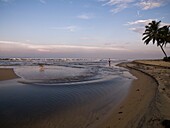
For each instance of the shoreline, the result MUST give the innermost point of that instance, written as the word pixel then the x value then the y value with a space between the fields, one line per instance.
pixel 156 111
pixel 135 110
pixel 160 71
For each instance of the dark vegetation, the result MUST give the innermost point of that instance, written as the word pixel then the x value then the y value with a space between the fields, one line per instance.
pixel 159 35
pixel 166 123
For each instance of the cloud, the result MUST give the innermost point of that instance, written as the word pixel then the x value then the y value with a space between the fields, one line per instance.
pixel 42 1
pixel 145 22
pixel 139 25
pixel 43 50
pixel 55 48
pixel 137 29
pixel 116 2
pixel 70 28
pixel 119 8
pixel 140 22
pixel 85 16
pixel 119 5
pixel 19 49
pixel 150 4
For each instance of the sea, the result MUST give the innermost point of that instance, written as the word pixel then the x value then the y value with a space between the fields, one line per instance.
pixel 61 93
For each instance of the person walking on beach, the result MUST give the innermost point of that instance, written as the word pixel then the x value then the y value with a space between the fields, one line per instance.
pixel 109 62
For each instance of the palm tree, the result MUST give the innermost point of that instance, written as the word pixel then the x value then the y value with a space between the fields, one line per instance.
pixel 155 34
pixel 164 34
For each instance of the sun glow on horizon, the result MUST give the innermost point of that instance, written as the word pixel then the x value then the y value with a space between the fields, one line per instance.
pixel 91 28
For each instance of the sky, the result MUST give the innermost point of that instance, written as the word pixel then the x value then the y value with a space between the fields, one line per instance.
pixel 80 28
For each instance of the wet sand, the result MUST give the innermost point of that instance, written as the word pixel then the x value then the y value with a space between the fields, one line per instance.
pixel 6 74
pixel 82 104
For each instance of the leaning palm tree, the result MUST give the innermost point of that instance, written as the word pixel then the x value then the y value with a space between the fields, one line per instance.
pixel 155 34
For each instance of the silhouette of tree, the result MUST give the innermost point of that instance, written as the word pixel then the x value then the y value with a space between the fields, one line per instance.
pixel 164 34
pixel 155 33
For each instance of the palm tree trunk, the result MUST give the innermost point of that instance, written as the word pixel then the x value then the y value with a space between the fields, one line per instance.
pixel 163 51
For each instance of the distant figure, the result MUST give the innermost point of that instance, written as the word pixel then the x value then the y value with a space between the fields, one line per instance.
pixel 41 67
pixel 109 62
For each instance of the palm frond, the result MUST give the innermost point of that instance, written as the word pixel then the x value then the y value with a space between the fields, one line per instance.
pixel 147 41
pixel 145 37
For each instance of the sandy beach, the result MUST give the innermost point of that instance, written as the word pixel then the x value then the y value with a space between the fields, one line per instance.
pixel 149 99
pixel 7 73
pixel 147 103
pixel 160 71
pixel 136 107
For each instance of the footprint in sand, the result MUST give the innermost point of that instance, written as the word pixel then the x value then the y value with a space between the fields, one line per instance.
pixel 120 112
pixel 137 90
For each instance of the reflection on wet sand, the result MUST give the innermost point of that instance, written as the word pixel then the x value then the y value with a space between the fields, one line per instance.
pixel 65 105
pixel 68 106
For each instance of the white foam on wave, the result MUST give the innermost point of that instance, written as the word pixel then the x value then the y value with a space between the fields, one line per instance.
pixel 49 72
pixel 66 70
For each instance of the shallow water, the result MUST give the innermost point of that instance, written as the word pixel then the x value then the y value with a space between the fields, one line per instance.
pixel 48 99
